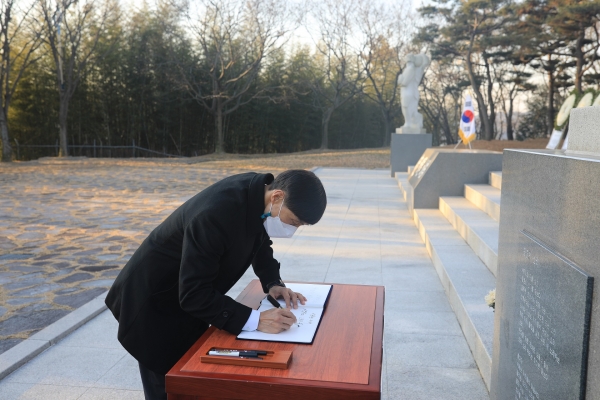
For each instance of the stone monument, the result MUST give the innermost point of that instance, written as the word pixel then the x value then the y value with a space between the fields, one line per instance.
pixel 546 338
pixel 407 149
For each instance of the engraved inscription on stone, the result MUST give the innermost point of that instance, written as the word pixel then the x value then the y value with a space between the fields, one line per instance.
pixel 550 327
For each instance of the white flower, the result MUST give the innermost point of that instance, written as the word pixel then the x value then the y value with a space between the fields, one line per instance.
pixel 490 299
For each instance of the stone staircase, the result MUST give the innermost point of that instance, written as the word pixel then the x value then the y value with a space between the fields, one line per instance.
pixel 462 240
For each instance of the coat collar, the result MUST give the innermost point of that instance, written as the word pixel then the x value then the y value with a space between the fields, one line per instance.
pixel 256 201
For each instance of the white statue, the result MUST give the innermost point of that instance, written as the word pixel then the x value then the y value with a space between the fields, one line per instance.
pixel 409 92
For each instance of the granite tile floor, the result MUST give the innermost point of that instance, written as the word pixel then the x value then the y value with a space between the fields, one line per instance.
pixel 365 237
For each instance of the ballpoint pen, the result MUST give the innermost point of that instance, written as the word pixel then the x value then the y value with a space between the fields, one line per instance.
pixel 237 353
pixel 273 301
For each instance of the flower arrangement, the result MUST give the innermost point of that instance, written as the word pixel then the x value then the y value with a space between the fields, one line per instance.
pixel 587 98
pixel 490 299
pixel 563 114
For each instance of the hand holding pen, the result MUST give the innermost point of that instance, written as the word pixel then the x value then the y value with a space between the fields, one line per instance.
pixel 276 320
pixel 275 303
pixel 279 319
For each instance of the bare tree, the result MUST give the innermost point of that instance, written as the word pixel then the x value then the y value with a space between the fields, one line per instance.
pixel 342 76
pixel 74 30
pixel 443 87
pixel 20 38
pixel 234 38
pixel 512 80
pixel 385 32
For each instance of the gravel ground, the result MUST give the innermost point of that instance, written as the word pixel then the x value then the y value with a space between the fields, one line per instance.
pixel 67 226
pixel 67 229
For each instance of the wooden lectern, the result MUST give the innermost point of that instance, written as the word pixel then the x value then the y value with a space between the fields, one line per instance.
pixel 344 361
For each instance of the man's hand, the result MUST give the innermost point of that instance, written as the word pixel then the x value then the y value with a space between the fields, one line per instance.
pixel 291 298
pixel 276 320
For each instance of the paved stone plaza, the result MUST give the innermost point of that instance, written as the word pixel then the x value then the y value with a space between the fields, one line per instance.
pixel 366 236
pixel 66 229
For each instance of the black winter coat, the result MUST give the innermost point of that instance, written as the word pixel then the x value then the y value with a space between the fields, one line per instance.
pixel 173 286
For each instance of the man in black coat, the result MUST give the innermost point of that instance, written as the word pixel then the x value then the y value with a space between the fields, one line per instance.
pixel 174 285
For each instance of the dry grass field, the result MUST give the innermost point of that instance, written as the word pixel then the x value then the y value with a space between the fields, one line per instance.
pixel 357 158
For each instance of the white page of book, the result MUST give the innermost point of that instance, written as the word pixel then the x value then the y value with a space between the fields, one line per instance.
pixel 316 295
pixel 308 317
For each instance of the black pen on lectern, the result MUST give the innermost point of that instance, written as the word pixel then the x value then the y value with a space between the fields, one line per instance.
pixel 237 353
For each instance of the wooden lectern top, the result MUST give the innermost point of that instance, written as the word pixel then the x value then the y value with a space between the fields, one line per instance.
pixel 344 360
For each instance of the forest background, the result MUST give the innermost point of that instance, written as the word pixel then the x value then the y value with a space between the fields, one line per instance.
pixel 276 76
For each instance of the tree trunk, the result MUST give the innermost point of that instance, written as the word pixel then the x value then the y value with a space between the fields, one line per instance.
pixel 550 114
pixel 488 132
pixel 325 129
pixel 509 124
pixel 6 148
pixel 446 127
pixel 63 112
pixel 219 149
pixel 579 60
pixel 387 123
pixel 490 97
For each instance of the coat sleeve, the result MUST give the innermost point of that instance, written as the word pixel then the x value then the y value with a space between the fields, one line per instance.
pixel 204 242
pixel 264 265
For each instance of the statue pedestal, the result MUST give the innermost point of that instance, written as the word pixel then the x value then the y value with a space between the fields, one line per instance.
pixel 407 148
pixel 410 131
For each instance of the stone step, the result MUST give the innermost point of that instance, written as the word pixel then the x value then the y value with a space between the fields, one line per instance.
pixel 411 168
pixel 486 198
pixel 477 228
pixel 496 179
pixel 466 281
pixel 402 178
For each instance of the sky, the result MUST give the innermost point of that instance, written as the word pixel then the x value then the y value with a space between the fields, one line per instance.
pixel 302 36
pixel 415 3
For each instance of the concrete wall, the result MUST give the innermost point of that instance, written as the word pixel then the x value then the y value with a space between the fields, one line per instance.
pixel 444 172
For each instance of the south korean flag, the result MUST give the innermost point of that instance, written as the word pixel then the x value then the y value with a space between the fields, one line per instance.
pixel 467 131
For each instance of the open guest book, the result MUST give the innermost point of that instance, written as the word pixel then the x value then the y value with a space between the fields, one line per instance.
pixel 308 315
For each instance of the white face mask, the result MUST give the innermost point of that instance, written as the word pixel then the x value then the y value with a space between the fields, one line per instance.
pixel 276 228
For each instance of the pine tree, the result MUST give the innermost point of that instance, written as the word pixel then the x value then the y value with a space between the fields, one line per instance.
pixel 464 34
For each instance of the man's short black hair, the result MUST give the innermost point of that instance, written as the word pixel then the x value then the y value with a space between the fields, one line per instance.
pixel 304 194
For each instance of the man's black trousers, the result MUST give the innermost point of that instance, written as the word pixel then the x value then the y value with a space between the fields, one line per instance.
pixel 154 384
